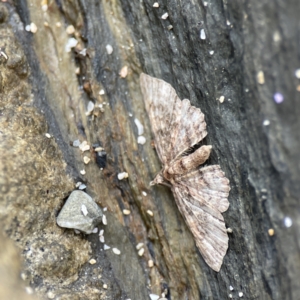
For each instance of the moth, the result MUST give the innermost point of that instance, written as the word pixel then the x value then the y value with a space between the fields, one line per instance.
pixel 201 193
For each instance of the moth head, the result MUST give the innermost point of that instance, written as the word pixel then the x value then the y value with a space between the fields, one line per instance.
pixel 157 180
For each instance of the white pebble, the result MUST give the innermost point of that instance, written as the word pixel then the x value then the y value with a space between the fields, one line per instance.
pixel 211 52
pixel 144 193
pixel 86 160
pixel 95 230
pixel 288 222
pixel 205 3
pixel 141 140
pixel 241 294
pixel 82 186
pixel 50 295
pixel 29 290
pixel 70 44
pixel 154 297
pixel 33 28
pixel 105 286
pixel 104 220
pixel 122 175
pixel 260 77
pixel 101 92
pixel 104 208
pixel 76 143
pixel 101 232
pixel 48 135
pixel 231 288
pixel 109 49
pixel 84 210
pixel 116 251
pixel 126 212
pixel 202 34
pixel 123 72
pixel 106 247
pixel 82 172
pixel 156 4
pixel 90 106
pixel 230 296
pixel 266 122
pixel 229 230
pixel 92 261
pixel 141 252
pixel 70 29
pixel 297 73
pixel 222 98
pixel 150 263
pixel 150 213
pixel 84 146
pixel 165 16
pixel 139 126
pixel 101 239
pixel 139 246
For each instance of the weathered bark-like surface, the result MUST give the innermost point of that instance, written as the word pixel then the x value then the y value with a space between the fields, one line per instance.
pixel 45 89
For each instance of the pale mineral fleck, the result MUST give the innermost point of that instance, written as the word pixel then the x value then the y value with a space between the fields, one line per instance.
pixel 150 263
pixel 141 252
pixel 116 251
pixel 98 149
pixel 156 4
pixel 150 213
pixel 123 72
pixel 23 276
pixel 82 172
pixel 33 28
pixel 230 296
pixel 170 27
pixel 165 16
pixel 104 220
pixel 58 24
pixel 141 140
pixel 211 52
pixel 76 143
pixel 229 230
pixel 144 193
pixel 101 92
pixel 297 73
pixel 260 77
pixel 105 286
pixel 105 247
pixel 205 3
pixel 95 230
pixel 266 122
pixel 271 232
pixel 126 212
pixel 139 126
pixel 50 295
pixel 84 210
pixel 109 49
pixel 241 294
pixel 92 261
pixel 72 42
pixel 48 135
pixel 231 288
pixel 82 186
pixel 44 7
pixel 77 231
pixel 288 222
pixel 139 246
pixel 202 34
pixel 90 106
pixel 222 98
pixel 29 290
pixel 102 239
pixel 70 29
pixel 278 98
pixel 101 232
pixel 104 208
pixel 86 160
pixel 154 297
pixel 84 146
pixel 122 175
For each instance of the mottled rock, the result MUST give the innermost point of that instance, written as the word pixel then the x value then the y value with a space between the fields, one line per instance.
pixel 80 212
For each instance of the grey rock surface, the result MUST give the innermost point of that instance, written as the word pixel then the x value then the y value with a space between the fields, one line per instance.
pixel 80 212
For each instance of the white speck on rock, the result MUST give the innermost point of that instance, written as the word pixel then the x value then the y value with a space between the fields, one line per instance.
pixel 229 230
pixel 95 230
pixel 288 222
pixel 101 232
pixel 86 160
pixel 71 44
pixel 260 77
pixel 105 286
pixel 109 49
pixel 122 175
pixel 29 290
pixel 211 52
pixel 139 126
pixel 84 146
pixel 150 263
pixel 231 288
pixel 70 29
pixel 141 252
pixel 241 294
pixel 139 246
pixel 84 210
pixel 50 295
pixel 101 92
pixel 156 4
pixel 101 239
pixel 150 212
pixel 266 122
pixel 82 186
pixel 141 140
pixel 126 212
pixel 144 193
pixel 297 73
pixel 116 251
pixel 82 172
pixel 106 247
pixel 104 220
pixel 202 34
pixel 154 297
pixel 165 16
pixel 222 98
pixel 76 143
pixel 90 106
pixel 123 72
pixel 92 261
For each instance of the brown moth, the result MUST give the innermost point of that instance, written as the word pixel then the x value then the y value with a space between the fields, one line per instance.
pixel 200 193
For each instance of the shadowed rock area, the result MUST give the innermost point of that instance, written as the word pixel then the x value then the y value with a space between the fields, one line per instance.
pixel 236 61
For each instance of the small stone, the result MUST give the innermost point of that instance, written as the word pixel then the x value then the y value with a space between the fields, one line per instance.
pixel 141 140
pixel 266 122
pixel 92 261
pixel 101 92
pixel 150 263
pixel 139 246
pixel 50 295
pixel 222 98
pixel 141 252
pixel 104 208
pixel 144 193
pixel 77 231
pixel 105 247
pixel 260 77
pixel 126 212
pixel 105 286
pixel 154 297
pixel 109 49
pixel 297 73
pixel 278 98
pixel 231 288
pixel 72 215
pixel 170 27
pixel 84 210
pixel 86 160
pixel 241 294
pixel 229 230
pixel 205 3
pixel 156 4
pixel 271 232
pixel 84 146
pixel 139 126
pixel 48 135
pixel 150 213
pixel 70 29
pixel 288 222
pixel 101 232
pixel 202 34
pixel 165 16
pixel 211 52
pixel 70 44
pixel 82 172
pixel 123 72
pixel 76 143
pixel 230 296
pixel 33 28
pixel 82 186
pixel 95 230
pixel 122 175
pixel 104 220
pixel 101 239
pixel 29 290
pixel 23 276
pixel 90 106
pixel 116 251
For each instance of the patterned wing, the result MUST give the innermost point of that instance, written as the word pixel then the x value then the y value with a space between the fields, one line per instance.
pixel 176 124
pixel 201 197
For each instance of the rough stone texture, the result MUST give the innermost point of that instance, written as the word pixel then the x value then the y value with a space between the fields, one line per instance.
pixel 262 162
